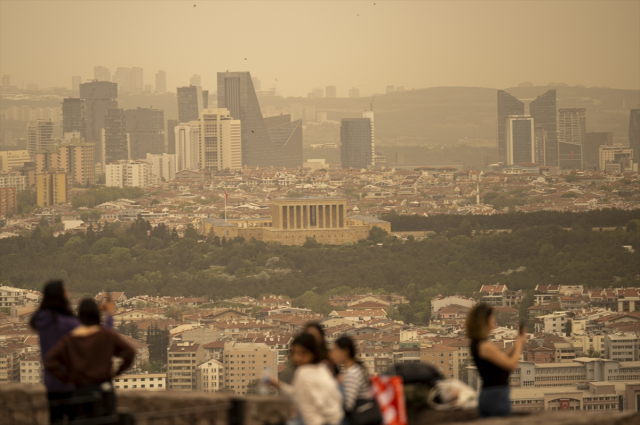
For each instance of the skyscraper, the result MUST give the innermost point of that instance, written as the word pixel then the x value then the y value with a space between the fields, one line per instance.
pixel 116 139
pixel 186 146
pixel 73 116
pixel 161 81
pixel 257 85
pixel 544 113
pixel 507 105
pixel 39 136
pixel 98 96
pixel 286 136
pixel 519 131
pixel 355 141
pixel 219 140
pixel 123 78
pixel 572 134
pixel 188 104
pixel 205 99
pixel 195 81
pixel 354 93
pixel 171 136
pixel 145 127
pixel 634 133
pixel 591 148
pixel 369 114
pixel 101 73
pixel 236 93
pixel 137 79
pixel 75 82
pixel 330 91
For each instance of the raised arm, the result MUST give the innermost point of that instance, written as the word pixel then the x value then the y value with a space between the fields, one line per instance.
pixel 123 350
pixel 506 360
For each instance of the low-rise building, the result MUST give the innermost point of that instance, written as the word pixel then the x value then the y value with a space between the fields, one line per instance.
pixel 31 369
pixel 141 381
pixel 444 358
pixel 245 362
pixel 621 347
pixel 210 376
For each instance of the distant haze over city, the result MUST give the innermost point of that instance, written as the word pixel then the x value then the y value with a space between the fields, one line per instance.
pixel 310 44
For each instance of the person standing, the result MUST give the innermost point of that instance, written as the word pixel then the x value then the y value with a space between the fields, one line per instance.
pixel 313 389
pixel 359 403
pixel 83 359
pixel 494 365
pixel 52 321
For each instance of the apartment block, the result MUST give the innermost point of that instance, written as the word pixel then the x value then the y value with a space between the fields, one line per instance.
pixel 8 200
pixel 10 297
pixel 74 157
pixel 444 358
pixel 210 376
pixel 141 381
pixel 13 179
pixel 39 136
pixel 13 159
pixel 622 347
pixel 245 362
pixel 31 370
pixel 183 358
pixel 52 188
pixel 129 173
pixel 163 166
pixel 9 364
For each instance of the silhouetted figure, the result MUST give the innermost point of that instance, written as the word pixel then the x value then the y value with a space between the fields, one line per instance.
pixel 83 358
pixel 494 366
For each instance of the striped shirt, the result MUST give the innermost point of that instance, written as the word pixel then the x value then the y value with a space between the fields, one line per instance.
pixel 356 386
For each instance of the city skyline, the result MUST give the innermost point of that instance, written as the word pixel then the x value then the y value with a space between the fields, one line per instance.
pixel 346 55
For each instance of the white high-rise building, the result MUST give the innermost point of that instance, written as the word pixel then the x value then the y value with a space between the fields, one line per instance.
pixel 195 81
pixel 520 134
pixel 163 165
pixel 129 173
pixel 186 146
pixel 369 114
pixel 219 140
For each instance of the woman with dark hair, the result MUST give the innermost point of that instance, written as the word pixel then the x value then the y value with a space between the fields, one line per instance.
pixel 494 366
pixel 53 320
pixel 314 391
pixel 316 331
pixel 83 359
pixel 359 402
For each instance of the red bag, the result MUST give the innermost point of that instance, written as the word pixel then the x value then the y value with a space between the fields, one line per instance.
pixel 389 394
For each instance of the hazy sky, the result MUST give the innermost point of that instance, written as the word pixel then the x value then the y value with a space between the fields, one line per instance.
pixel 306 44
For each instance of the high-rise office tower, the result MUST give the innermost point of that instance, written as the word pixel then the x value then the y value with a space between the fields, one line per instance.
pixel 73 116
pixel 171 136
pixel 39 136
pixel 115 137
pixel 145 127
pixel 519 131
pixel 544 113
pixel 591 148
pixel 286 136
pixel 124 79
pixel 572 134
pixel 634 132
pixel 73 157
pixel 330 91
pixel 205 99
pixel 195 81
pixel 391 89
pixel 101 73
pixel 98 96
pixel 236 93
pixel 318 92
pixel 369 114
pixel 161 81
pixel 186 146
pixel 6 80
pixel 257 85
pixel 354 93
pixel 137 79
pixel 219 140
pixel 188 104
pixel 75 82
pixel 355 141
pixel 507 105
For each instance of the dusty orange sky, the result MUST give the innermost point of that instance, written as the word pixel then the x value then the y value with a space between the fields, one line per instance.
pixel 306 44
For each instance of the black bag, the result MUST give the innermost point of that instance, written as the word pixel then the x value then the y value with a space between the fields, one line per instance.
pixel 365 412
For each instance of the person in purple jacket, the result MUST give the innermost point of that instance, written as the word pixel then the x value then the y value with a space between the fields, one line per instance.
pixel 53 320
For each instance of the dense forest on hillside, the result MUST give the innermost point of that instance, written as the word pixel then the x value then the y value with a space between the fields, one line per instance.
pixel 119 258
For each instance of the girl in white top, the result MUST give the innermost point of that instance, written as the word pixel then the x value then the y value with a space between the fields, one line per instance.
pixel 313 389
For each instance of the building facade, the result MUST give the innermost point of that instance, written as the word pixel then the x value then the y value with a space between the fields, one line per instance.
pixel 219 141
pixel 141 381
pixel 591 148
pixel 245 362
pixel 129 173
pixel 183 359
pixel 74 157
pixel 8 200
pixel 616 155
pixel 13 159
pixel 115 139
pixel 188 104
pixel 171 136
pixel 145 127
pixel 161 81
pixel 544 113
pixel 73 116
pixel 39 136
pixel 163 166
pixel 520 139
pixel 330 91
pixel 52 188
pixel 186 146
pixel 634 131
pixel 507 105
pixel 355 143
pixel 210 376
pixel 99 97
pixel 31 370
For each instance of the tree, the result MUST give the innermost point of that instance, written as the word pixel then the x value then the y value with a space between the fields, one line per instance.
pixel 287 373
pixel 175 314
pixel 568 327
pixel 130 329
pixel 158 340
pixel 592 353
pixel 378 235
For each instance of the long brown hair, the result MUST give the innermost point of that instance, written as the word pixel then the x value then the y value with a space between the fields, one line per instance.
pixel 478 322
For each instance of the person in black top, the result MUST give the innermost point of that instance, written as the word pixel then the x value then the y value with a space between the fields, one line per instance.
pixel 493 365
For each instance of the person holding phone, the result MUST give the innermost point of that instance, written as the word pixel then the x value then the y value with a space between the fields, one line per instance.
pixel 494 365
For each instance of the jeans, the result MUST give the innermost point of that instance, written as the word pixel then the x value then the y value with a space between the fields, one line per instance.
pixel 93 401
pixel 494 401
pixel 58 406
